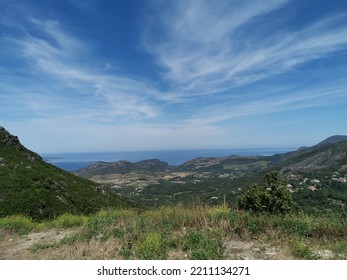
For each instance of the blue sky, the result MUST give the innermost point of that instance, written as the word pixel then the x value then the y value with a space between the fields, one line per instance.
pixel 108 75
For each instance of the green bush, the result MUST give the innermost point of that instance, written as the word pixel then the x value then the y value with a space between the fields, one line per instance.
pixel 274 198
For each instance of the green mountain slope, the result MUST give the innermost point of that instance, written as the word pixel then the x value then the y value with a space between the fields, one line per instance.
pixel 30 186
pixel 327 156
pixel 332 140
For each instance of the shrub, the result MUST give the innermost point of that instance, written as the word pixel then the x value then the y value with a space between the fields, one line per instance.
pixel 274 198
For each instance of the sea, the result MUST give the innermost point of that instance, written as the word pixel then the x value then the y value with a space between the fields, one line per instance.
pixel 75 161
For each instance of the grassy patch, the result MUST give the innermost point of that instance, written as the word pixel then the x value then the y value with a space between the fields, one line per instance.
pixel 298 225
pixel 69 239
pixel 18 223
pixel 43 246
pixel 194 232
pixel 301 250
pixel 339 248
pixel 218 212
pixel 152 246
pixel 69 220
pixel 202 246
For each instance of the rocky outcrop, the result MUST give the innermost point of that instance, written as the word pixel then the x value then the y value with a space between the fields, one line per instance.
pixel 9 139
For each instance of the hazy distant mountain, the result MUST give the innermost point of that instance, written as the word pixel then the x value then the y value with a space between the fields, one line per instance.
pixel 327 154
pixel 122 167
pixel 30 186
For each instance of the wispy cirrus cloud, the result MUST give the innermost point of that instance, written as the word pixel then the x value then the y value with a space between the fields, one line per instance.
pixel 284 100
pixel 215 65
pixel 55 54
pixel 199 47
pixel 208 49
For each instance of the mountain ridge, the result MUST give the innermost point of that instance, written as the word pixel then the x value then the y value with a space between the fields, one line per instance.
pixel 32 187
pixel 123 167
pixel 317 153
pixel 332 140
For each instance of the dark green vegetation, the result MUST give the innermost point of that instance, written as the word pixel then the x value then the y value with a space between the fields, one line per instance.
pixel 30 186
pixel 332 140
pixel 274 198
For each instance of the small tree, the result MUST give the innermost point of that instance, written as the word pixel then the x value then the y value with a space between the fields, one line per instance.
pixel 274 198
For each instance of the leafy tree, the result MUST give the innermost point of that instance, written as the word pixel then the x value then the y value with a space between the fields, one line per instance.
pixel 274 198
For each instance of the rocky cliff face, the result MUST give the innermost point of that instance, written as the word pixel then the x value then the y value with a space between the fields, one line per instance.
pixel 8 139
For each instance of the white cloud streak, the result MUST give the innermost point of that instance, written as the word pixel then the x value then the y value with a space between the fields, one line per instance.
pixel 203 53
pixel 209 55
pixel 282 102
pixel 59 56
pixel 199 48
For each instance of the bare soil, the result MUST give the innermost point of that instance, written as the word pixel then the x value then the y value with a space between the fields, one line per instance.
pixel 22 247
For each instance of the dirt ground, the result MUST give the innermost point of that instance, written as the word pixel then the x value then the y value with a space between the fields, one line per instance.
pixel 22 247
pixel 41 245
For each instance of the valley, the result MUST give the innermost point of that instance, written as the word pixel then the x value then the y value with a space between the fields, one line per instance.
pixel 315 175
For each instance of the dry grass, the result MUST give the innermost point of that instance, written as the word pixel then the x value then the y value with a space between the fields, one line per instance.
pixel 179 232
